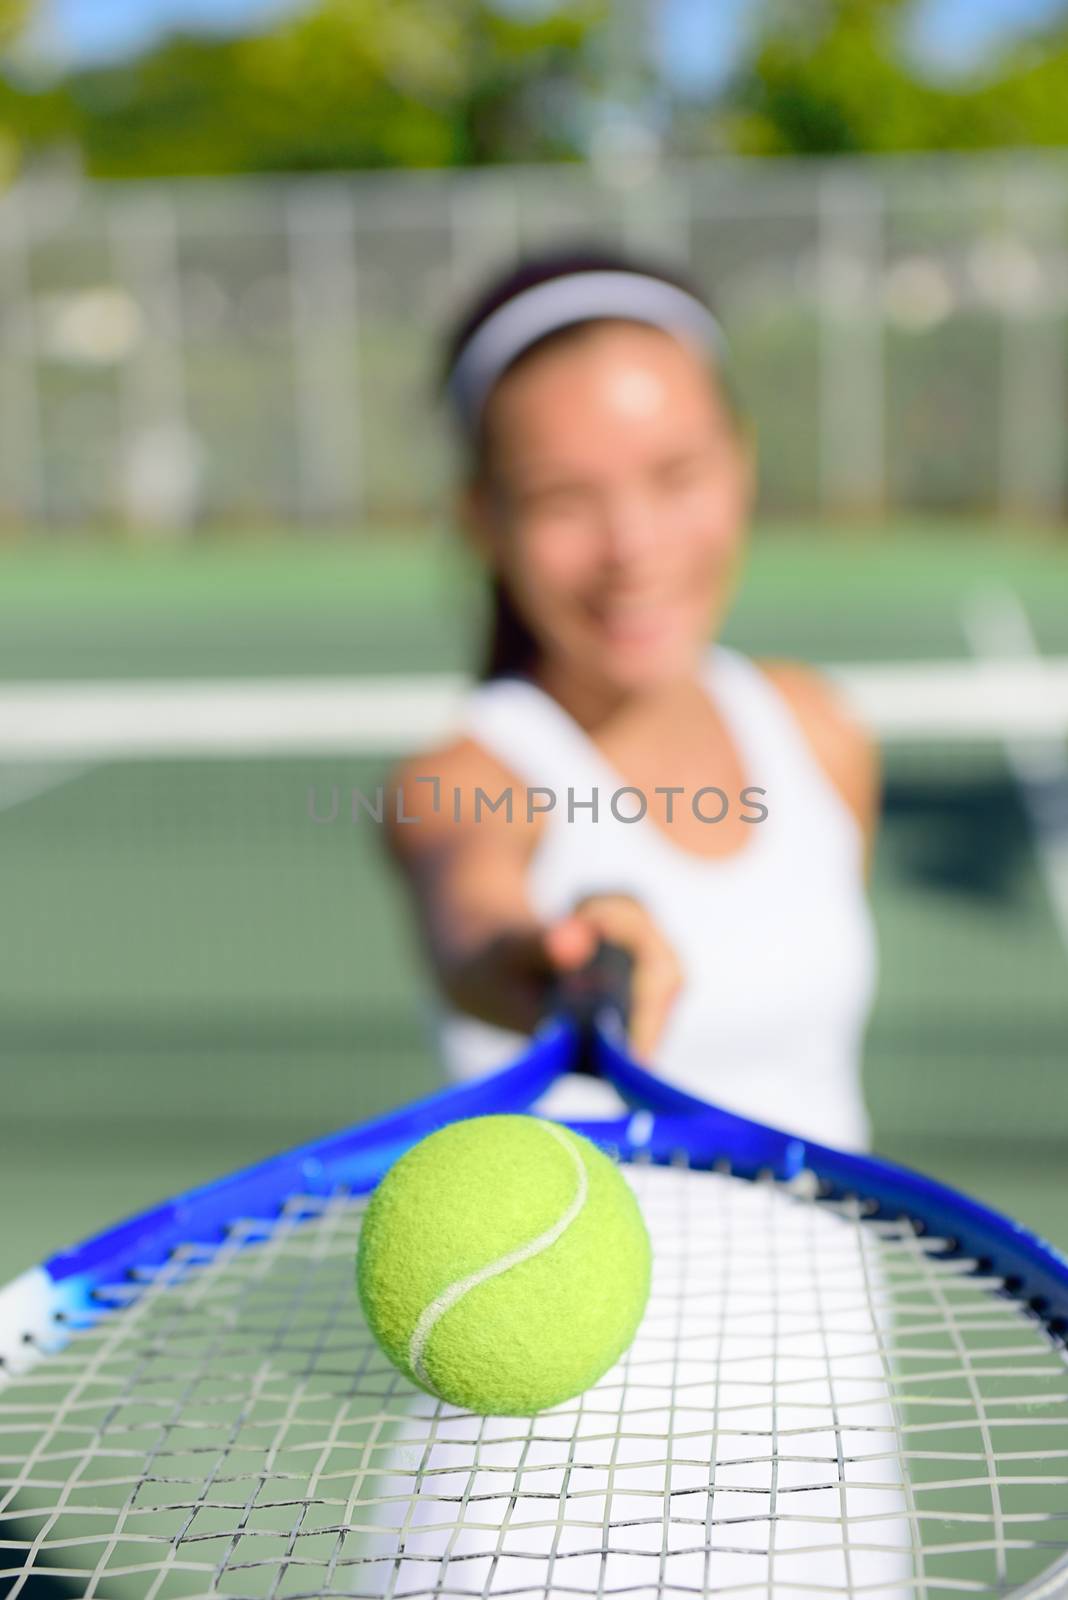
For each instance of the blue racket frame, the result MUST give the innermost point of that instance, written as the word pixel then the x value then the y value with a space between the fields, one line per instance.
pixel 663 1123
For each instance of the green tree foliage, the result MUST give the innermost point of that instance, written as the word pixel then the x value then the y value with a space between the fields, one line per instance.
pixel 12 21
pixel 1024 103
pixel 348 83
pixel 824 77
pixel 13 14
pixel 837 77
pixel 419 83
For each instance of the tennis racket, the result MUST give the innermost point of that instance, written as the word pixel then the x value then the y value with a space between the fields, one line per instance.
pixel 849 1380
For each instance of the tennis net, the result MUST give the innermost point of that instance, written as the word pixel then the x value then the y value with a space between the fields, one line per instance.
pixel 929 702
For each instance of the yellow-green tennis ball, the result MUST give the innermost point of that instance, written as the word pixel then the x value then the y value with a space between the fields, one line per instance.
pixel 504 1264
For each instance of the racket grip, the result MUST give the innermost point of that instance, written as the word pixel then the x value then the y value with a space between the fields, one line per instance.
pixel 596 995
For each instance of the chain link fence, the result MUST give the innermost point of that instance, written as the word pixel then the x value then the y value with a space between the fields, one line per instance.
pixel 262 351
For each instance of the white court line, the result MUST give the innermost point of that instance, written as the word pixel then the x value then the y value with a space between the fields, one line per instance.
pixel 999 631
pixel 20 784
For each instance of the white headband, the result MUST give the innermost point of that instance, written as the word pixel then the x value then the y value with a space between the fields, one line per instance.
pixel 579 296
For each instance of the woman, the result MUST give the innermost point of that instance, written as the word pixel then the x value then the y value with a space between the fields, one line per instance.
pixel 608 487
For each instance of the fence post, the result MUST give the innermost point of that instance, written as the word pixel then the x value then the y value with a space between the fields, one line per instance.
pixel 1033 394
pixel 22 480
pixel 485 228
pixel 851 374
pixel 159 457
pixel 657 217
pixel 320 227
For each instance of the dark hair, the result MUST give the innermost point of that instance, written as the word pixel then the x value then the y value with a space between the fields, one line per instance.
pixel 512 648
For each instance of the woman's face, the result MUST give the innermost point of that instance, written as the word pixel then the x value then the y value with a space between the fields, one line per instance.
pixel 615 503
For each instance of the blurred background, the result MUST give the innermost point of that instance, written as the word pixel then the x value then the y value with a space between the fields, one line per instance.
pixel 231 233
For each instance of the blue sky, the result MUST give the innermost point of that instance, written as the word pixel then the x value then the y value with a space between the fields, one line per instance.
pixel 94 30
pixel 698 39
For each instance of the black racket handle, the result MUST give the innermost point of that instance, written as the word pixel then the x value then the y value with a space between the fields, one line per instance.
pixel 599 992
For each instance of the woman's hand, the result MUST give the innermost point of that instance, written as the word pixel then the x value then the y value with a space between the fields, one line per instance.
pixel 506 981
pixel 571 940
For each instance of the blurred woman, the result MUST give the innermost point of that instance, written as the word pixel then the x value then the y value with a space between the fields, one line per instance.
pixel 712 812
pixel 618 773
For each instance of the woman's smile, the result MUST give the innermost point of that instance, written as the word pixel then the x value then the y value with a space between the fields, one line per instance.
pixel 638 620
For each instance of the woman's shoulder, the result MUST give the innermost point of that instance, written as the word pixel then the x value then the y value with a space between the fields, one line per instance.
pixel 432 795
pixel 457 759
pixel 842 746
pixel 814 696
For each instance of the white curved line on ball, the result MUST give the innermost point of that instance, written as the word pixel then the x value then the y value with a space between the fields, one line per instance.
pixel 433 1313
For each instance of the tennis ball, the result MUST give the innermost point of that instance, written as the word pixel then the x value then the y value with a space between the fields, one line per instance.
pixel 503 1264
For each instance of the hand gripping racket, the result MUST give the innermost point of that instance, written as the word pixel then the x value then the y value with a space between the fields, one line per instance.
pixel 850 1380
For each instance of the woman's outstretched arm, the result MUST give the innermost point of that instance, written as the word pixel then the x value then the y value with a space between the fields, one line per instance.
pixel 466 866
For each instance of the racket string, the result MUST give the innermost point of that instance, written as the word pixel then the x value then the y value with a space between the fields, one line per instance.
pixel 819 1398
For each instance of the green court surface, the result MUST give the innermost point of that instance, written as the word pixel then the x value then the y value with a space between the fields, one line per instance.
pixel 194 975
pixel 407 602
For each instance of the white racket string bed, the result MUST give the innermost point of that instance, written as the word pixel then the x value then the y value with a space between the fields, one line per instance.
pixel 849 1380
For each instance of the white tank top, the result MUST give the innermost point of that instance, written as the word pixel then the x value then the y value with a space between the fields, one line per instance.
pixel 776 940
